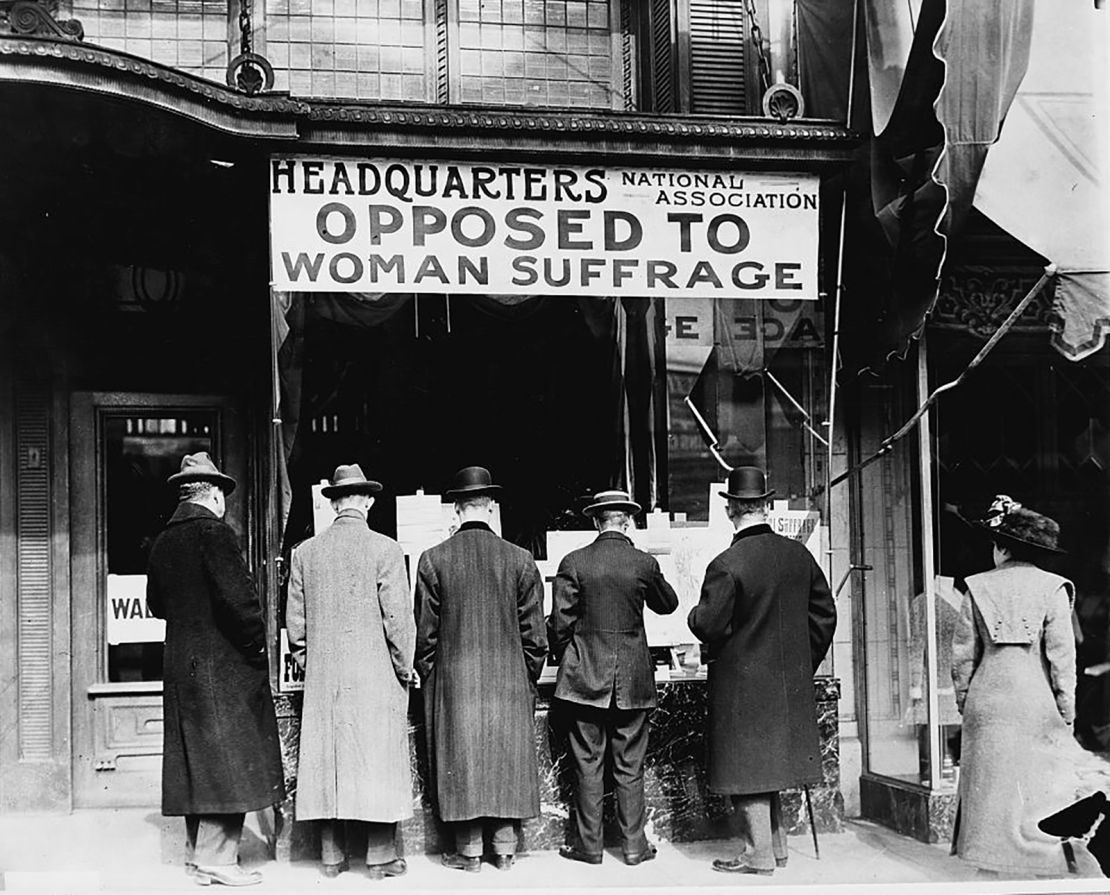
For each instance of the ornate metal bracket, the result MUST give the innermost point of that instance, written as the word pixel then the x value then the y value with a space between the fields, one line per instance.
pixel 30 18
pixel 783 101
pixel 250 73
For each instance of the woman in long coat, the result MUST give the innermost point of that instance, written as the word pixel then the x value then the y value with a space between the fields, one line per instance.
pixel 1013 667
pixel 351 627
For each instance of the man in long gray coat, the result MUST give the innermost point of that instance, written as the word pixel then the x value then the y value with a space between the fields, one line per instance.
pixel 768 617
pixel 220 754
pixel 351 629
pixel 480 649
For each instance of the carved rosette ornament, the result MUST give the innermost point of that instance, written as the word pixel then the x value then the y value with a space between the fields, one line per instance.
pixel 783 101
pixel 30 18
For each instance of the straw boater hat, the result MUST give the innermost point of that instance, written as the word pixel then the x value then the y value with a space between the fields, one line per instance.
pixel 1008 521
pixel 747 483
pixel 472 481
pixel 200 468
pixel 349 480
pixel 612 500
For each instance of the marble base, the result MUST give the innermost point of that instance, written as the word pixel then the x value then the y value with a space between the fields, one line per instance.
pixel 679 807
pixel 907 808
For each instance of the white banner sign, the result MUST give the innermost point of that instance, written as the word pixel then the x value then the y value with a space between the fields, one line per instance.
pixel 128 618
pixel 392 225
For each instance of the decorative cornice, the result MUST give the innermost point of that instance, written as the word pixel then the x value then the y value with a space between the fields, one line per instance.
pixel 322 122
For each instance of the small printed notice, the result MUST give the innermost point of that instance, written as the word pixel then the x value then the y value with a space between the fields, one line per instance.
pixel 128 618
pixel 290 674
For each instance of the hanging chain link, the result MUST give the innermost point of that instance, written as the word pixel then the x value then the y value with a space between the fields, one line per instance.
pixel 246 27
pixel 760 49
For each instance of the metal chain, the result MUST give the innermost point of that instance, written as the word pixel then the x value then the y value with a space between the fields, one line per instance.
pixel 760 49
pixel 245 26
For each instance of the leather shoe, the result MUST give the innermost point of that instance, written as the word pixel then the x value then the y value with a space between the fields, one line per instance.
pixel 647 854
pixel 226 876
pixel 331 871
pixel 573 854
pixel 396 867
pixel 462 862
pixel 739 865
pixel 503 862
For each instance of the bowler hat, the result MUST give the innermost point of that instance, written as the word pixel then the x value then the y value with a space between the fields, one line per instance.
pixel 1008 521
pixel 747 483
pixel 472 481
pixel 612 500
pixel 199 467
pixel 350 480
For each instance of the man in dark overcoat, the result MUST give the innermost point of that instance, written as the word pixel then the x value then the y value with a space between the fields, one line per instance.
pixel 606 677
pixel 768 617
pixel 220 756
pixel 480 648
pixel 351 629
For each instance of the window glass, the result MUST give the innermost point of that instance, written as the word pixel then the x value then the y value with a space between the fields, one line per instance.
pixel 140 453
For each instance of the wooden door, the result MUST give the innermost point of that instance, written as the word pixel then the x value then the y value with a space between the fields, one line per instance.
pixel 123 447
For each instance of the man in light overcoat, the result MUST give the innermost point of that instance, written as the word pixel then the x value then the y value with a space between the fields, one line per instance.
pixel 768 616
pixel 480 649
pixel 351 629
pixel 606 678
pixel 220 756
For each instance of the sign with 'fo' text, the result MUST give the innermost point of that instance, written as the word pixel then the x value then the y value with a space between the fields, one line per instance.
pixel 392 225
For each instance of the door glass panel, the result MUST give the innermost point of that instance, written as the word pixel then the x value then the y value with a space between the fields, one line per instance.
pixel 140 452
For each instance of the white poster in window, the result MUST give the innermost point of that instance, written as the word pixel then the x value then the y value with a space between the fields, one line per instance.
pixel 290 675
pixel 128 619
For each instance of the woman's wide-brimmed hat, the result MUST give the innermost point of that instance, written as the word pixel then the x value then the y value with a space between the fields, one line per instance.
pixel 472 481
pixel 1008 521
pixel 612 500
pixel 199 467
pixel 350 480
pixel 747 483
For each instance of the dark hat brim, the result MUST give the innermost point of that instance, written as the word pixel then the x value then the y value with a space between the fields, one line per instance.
pixel 620 506
pixel 225 482
pixel 756 496
pixel 368 487
pixel 995 535
pixel 472 491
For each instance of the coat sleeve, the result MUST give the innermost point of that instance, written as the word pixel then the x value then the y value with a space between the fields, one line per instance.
pixel 154 595
pixel 235 605
pixel 397 616
pixel 565 608
pixel 967 650
pixel 1059 650
pixel 711 619
pixel 427 622
pixel 660 596
pixel 822 615
pixel 294 611
pixel 529 608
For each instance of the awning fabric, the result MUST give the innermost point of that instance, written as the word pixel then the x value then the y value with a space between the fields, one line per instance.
pixel 1045 180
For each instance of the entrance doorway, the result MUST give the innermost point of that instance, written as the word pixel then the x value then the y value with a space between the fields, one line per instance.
pixel 123 447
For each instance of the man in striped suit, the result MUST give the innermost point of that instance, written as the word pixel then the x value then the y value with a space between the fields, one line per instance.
pixel 606 678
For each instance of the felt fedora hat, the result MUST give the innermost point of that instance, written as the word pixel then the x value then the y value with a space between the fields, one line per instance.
pixel 1007 521
pixel 472 481
pixel 199 467
pixel 612 500
pixel 350 480
pixel 747 483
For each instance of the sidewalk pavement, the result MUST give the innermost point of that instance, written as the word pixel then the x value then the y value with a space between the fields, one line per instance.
pixel 121 851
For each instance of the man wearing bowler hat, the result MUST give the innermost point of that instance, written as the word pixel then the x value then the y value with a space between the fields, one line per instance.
pixel 768 616
pixel 220 755
pixel 480 648
pixel 351 629
pixel 606 678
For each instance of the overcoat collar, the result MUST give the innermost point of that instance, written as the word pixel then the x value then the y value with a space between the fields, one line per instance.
pixel 187 510
pixel 350 515
pixel 613 535
pixel 475 526
pixel 761 529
